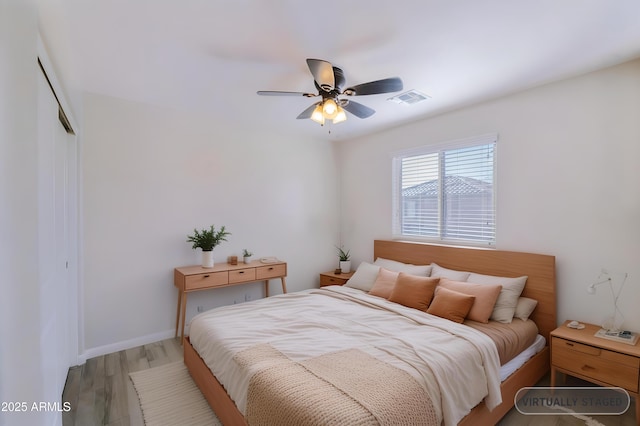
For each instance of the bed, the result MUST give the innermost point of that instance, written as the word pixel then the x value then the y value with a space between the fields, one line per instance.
pixel 540 285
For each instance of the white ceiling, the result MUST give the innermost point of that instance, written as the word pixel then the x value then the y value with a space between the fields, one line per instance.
pixel 213 55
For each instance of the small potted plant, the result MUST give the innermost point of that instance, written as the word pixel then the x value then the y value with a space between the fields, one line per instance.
pixel 246 255
pixel 345 260
pixel 207 240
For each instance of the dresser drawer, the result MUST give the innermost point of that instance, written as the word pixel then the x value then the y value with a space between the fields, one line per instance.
pixel 600 364
pixel 271 271
pixel 242 275
pixel 605 354
pixel 327 280
pixel 212 279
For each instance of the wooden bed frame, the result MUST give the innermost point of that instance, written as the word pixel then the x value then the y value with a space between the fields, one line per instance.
pixel 541 285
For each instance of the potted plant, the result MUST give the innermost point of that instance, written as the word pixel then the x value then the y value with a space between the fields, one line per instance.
pixel 345 260
pixel 246 255
pixel 207 240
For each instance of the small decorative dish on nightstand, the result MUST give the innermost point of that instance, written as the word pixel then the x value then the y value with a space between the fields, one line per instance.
pixel 576 325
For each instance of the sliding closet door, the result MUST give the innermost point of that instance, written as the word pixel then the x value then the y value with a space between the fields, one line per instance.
pixel 57 297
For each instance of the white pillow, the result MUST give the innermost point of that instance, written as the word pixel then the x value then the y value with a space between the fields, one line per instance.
pixel 525 308
pixel 364 277
pixel 407 268
pixel 439 271
pixel 505 306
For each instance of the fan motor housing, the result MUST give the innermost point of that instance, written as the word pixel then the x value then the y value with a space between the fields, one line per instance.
pixel 327 91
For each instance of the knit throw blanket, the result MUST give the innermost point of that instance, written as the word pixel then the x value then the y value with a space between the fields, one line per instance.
pixel 347 387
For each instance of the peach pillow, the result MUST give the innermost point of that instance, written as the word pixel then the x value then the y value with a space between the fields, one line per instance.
pixel 384 283
pixel 450 304
pixel 413 291
pixel 486 297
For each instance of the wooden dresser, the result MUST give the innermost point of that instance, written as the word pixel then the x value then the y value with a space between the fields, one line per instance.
pixel 604 362
pixel 196 278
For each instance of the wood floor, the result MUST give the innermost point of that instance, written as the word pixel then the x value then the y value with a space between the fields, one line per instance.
pixel 101 393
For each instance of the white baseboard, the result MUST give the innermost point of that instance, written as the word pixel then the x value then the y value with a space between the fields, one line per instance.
pixel 126 344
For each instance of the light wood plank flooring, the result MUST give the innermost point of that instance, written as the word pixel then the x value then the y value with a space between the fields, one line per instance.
pixel 101 393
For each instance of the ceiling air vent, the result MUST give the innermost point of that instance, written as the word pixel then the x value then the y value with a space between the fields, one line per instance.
pixel 411 97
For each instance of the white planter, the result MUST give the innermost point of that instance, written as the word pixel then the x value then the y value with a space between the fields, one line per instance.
pixel 247 259
pixel 345 266
pixel 207 259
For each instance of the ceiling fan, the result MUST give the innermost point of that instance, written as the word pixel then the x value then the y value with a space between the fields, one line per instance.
pixel 329 80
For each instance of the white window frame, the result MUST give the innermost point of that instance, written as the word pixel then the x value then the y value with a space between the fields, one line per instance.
pixel 440 149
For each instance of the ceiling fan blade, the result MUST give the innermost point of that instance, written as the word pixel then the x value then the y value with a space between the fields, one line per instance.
pixel 307 112
pixel 386 85
pixel 278 93
pixel 357 109
pixel 322 72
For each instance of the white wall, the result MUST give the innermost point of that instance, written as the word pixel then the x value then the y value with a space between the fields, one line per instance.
pixel 25 374
pixel 151 175
pixel 568 181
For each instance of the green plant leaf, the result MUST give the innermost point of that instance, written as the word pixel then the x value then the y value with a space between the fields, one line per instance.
pixel 208 239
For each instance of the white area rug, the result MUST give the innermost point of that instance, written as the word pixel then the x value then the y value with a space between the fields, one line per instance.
pixel 169 397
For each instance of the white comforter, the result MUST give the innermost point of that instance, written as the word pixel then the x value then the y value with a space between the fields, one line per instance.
pixel 458 365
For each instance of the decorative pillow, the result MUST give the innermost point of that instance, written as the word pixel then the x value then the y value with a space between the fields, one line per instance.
pixel 508 299
pixel 450 304
pixel 525 308
pixel 364 277
pixel 485 294
pixel 439 271
pixel 413 291
pixel 384 283
pixel 393 265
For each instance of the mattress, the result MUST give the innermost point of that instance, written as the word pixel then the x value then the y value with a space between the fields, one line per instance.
pixel 302 327
pixel 518 361
pixel 510 339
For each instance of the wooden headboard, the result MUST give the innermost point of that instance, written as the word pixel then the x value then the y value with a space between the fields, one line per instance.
pixel 540 268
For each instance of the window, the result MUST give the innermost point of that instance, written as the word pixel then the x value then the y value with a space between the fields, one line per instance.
pixel 446 193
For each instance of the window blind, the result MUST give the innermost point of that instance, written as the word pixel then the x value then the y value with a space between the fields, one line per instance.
pixel 446 193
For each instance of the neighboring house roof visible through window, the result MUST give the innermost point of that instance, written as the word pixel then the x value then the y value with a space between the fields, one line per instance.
pixel 457 185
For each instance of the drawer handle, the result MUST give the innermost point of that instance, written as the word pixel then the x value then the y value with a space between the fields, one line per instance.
pixel 242 272
pixel 206 276
pixel 271 268
pixel 587 368
pixel 569 344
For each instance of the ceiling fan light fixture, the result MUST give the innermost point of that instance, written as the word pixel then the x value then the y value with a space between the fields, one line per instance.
pixel 340 116
pixel 317 115
pixel 329 108
pixel 329 81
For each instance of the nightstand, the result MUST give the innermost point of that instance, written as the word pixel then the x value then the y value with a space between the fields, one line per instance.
pixel 331 278
pixel 604 362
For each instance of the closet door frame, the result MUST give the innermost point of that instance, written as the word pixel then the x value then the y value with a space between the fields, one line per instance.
pixel 74 319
